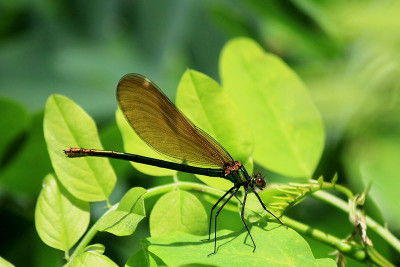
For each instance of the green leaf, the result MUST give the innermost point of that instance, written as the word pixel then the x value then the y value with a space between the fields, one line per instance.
pixel 67 125
pixel 96 248
pixel 254 212
pixel 209 107
pixel 276 246
pixel 92 256
pixel 92 259
pixel 142 258
pixel 335 178
pixel 287 127
pixel 320 180
pixel 60 218
pixel 5 263
pixel 14 126
pixel 231 219
pixel 130 211
pixel 133 144
pixel 178 211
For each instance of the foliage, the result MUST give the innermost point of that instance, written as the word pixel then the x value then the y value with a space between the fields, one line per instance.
pixel 178 212
pixel 280 107
pixel 171 249
pixel 328 104
pixel 125 218
pixel 66 123
pixel 60 218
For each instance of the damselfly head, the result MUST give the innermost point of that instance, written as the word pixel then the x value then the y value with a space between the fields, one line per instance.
pixel 258 180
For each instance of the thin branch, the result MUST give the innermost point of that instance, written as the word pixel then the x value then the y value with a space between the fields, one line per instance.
pixel 371 223
pixel 89 235
pixel 356 252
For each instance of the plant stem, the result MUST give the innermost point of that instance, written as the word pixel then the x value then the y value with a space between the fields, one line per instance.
pixel 66 255
pixel 182 185
pixel 339 203
pixel 378 258
pixel 89 235
pixel 176 180
pixel 371 223
pixel 357 253
pixel 347 192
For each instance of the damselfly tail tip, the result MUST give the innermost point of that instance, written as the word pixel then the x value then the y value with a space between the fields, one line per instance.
pixel 67 152
pixel 73 152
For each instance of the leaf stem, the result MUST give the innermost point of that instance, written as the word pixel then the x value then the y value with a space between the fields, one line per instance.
pixel 182 185
pixel 378 258
pixel 66 255
pixel 89 235
pixel 176 180
pixel 347 192
pixel 108 203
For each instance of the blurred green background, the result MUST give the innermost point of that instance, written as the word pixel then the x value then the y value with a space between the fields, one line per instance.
pixel 347 53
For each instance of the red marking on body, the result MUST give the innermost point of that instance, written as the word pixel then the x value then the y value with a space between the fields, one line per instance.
pixel 230 167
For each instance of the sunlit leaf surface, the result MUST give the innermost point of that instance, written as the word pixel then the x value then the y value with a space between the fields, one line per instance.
pixel 92 259
pixel 276 246
pixel 60 218
pixel 288 129
pixel 178 211
pixel 130 211
pixel 68 125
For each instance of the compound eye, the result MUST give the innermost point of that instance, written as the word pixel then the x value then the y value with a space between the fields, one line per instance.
pixel 260 182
